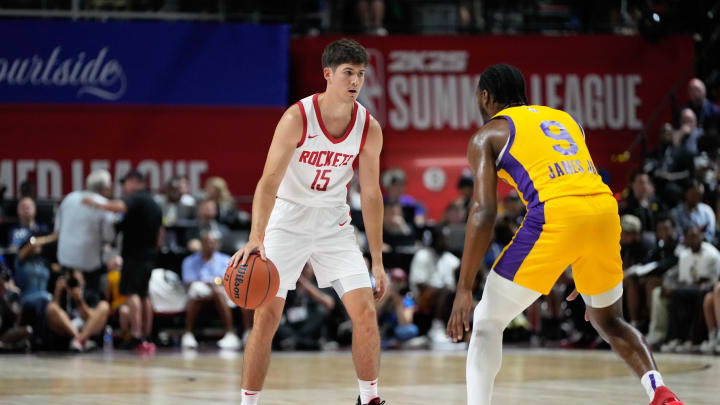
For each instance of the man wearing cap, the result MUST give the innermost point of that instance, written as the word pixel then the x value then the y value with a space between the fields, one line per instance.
pixel 140 226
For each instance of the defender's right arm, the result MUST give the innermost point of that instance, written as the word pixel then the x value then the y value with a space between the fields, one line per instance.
pixel 285 140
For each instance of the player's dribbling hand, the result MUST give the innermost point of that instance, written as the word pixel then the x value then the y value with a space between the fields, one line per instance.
pixel 572 297
pixel 459 323
pixel 240 257
pixel 378 272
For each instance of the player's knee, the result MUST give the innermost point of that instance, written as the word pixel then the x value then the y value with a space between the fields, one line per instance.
pixel 103 308
pixel 363 313
pixel 267 318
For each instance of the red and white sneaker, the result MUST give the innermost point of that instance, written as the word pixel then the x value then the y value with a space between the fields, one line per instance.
pixel 663 396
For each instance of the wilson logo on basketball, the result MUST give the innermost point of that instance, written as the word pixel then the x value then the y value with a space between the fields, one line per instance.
pixel 239 279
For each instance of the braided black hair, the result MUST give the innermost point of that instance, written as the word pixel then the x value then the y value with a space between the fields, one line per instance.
pixel 505 83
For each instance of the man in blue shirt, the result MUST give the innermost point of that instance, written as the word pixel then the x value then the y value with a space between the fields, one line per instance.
pixel 203 272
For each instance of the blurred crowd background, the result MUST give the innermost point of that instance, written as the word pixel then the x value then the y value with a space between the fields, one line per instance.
pixel 61 259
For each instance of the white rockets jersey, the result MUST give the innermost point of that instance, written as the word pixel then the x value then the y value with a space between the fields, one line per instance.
pixel 321 167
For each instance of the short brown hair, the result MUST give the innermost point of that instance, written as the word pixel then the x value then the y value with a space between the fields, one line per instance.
pixel 344 51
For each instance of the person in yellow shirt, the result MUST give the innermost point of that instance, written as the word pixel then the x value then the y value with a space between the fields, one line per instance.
pixel 572 219
pixel 118 305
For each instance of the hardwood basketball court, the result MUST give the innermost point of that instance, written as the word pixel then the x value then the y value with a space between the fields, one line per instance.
pixel 529 376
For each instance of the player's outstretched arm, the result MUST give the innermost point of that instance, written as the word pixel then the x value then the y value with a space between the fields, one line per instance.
pixel 479 229
pixel 372 202
pixel 287 135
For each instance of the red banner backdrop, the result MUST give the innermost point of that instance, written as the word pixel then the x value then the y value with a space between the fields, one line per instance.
pixel 422 90
pixel 57 146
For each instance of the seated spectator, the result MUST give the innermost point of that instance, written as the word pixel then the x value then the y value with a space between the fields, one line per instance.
pixel 633 249
pixel 513 208
pixel 119 315
pixel 394 181
pixel 398 236
pixel 711 310
pixel 27 226
pixel 13 336
pixel 217 190
pixel 465 186
pixel 306 311
pixel 455 222
pixel 672 166
pixel 202 272
pixel 503 233
pixel 707 112
pixel 177 207
pixel 698 271
pixel 639 200
pixel 644 278
pixel 693 212
pixel 68 318
pixel 206 221
pixel 395 311
pixel 432 280
pixel 688 133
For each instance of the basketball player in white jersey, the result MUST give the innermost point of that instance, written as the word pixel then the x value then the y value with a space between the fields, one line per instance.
pixel 300 213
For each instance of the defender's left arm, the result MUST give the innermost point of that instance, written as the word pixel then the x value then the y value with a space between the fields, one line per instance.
pixel 372 202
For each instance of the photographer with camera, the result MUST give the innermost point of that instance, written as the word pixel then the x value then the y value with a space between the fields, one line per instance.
pixel 63 320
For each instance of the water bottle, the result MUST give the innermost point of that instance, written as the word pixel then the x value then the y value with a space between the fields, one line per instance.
pixel 108 339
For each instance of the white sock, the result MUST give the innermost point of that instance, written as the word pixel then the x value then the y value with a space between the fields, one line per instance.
pixel 368 390
pixel 651 381
pixel 250 397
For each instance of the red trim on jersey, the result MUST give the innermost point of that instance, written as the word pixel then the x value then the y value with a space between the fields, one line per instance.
pixel 302 112
pixel 365 130
pixel 322 124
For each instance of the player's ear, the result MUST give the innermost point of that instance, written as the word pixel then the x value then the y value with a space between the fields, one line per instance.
pixel 327 72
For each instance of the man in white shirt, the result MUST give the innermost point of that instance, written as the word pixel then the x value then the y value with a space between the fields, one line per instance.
pixel 698 270
pixel 83 231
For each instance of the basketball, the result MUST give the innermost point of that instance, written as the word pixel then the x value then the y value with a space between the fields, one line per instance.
pixel 253 284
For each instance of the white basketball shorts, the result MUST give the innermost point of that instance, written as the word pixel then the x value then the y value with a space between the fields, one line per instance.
pixel 296 234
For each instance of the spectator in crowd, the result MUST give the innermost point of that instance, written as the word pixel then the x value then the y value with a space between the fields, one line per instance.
pixel 693 212
pixel 465 189
pixel 306 311
pixel 672 166
pixel 140 226
pixel 395 311
pixel 398 236
pixel 639 200
pixel 206 221
pixel 513 208
pixel 644 278
pixel 66 319
pixel 394 181
pixel 27 226
pixel 698 271
pixel 454 223
pixel 711 310
pixel 503 233
pixel 202 272
pixel 372 14
pixel 432 280
pixel 12 334
pixel 217 190
pixel 633 249
pixel 84 231
pixel 707 112
pixel 688 134
pixel 119 315
pixel 178 207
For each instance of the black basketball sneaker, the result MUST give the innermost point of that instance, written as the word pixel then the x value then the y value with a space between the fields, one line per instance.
pixel 374 401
